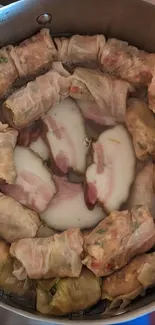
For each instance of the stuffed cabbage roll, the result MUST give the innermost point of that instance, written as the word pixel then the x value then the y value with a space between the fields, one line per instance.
pixel 63 296
pixel 34 186
pixel 66 137
pixel 32 101
pixel 117 239
pixel 8 71
pixel 106 95
pixel 79 50
pixel 8 281
pixel 125 62
pixel 34 54
pixel 142 192
pixel 16 222
pixel 129 282
pixel 55 256
pixel 68 209
pixel 140 122
pixel 8 138
pixel 109 177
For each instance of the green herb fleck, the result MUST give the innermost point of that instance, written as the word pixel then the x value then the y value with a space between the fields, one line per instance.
pixel 101 231
pixel 3 59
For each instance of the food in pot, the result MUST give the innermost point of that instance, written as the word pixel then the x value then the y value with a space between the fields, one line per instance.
pixel 8 71
pixel 16 221
pixel 84 147
pixel 32 101
pixel 142 192
pixel 79 50
pixel 117 239
pixel 126 62
pixel 34 54
pixel 58 67
pixel 8 138
pixel 34 186
pixel 55 256
pixel 140 122
pixel 66 137
pixel 8 281
pixel 111 174
pixel 32 136
pixel 40 148
pixel 126 284
pixel 104 96
pixel 63 296
pixel 68 209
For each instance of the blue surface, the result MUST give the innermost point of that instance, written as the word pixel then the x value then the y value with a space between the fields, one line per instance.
pixel 144 320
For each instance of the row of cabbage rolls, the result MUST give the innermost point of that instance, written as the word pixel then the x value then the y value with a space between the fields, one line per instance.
pixel 77 145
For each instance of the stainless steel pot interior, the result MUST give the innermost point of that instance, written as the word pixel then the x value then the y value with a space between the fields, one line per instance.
pixel 131 20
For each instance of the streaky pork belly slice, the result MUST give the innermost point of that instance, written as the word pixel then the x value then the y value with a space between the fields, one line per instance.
pixel 66 136
pixel 110 176
pixel 34 186
pixel 68 209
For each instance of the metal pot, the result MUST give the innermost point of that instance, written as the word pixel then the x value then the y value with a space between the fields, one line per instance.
pixel 130 20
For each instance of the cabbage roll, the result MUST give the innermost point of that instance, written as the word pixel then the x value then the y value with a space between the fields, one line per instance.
pixel 8 281
pixel 129 282
pixel 8 138
pixel 8 71
pixel 142 192
pixel 140 122
pixel 105 96
pixel 117 239
pixel 126 62
pixel 55 256
pixel 79 50
pixel 16 222
pixel 34 54
pixel 32 101
pixel 63 296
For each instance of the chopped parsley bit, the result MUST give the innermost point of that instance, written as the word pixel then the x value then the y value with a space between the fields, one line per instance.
pixel 3 59
pixel 101 231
